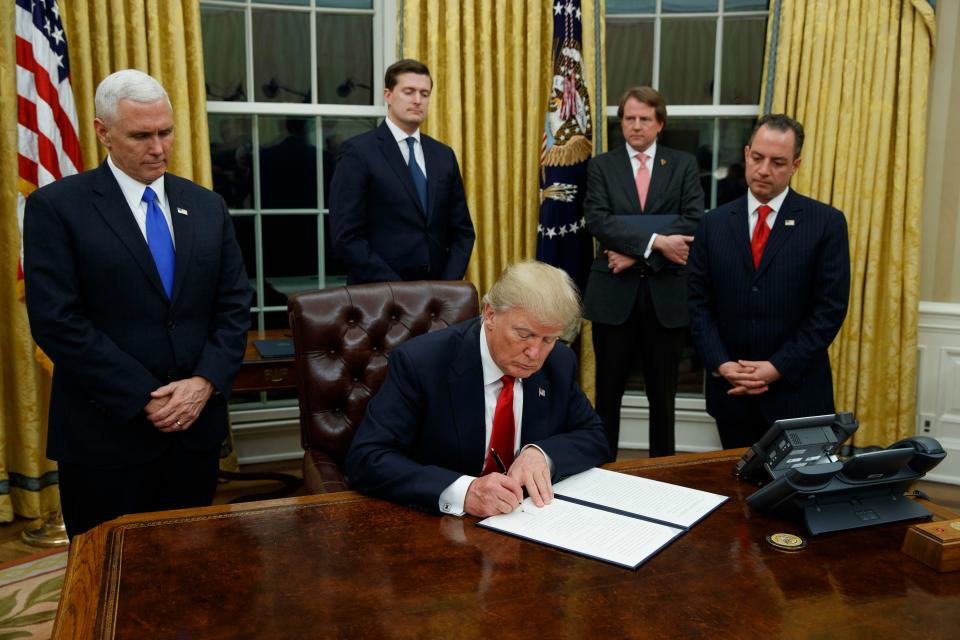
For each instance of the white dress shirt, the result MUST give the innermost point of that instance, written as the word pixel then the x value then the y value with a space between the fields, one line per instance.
pixel 401 137
pixel 133 193
pixel 753 204
pixel 651 153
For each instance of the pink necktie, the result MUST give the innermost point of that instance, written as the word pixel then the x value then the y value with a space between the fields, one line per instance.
pixel 760 234
pixel 643 179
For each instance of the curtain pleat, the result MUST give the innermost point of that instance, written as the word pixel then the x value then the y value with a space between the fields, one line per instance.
pixel 856 75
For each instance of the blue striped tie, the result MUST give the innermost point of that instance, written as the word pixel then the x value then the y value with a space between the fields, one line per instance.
pixel 159 241
pixel 419 180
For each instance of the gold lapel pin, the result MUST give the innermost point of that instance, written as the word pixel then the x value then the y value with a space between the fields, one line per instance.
pixel 663 162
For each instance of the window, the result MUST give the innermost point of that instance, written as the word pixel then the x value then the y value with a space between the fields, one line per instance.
pixel 706 58
pixel 287 81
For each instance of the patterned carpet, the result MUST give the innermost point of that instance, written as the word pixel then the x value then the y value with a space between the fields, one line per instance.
pixel 29 592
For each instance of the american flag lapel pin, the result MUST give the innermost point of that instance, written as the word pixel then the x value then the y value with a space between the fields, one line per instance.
pixel 182 211
pixel 789 223
pixel 541 392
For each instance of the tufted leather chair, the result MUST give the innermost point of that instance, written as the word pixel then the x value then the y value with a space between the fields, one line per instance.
pixel 343 337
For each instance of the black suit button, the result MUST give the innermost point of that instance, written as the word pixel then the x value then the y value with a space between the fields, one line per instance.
pixel 754 288
pixel 171 325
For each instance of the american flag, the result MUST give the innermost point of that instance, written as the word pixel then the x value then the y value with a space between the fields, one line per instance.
pixel 48 147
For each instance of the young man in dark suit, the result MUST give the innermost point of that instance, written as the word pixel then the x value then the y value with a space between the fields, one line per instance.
pixel 137 292
pixel 636 294
pixel 472 415
pixel 397 205
pixel 769 285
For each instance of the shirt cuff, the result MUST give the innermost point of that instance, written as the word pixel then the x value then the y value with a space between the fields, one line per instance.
pixel 453 497
pixel 649 250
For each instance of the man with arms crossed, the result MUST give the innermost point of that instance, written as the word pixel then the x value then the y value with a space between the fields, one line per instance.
pixel 397 206
pixel 769 282
pixel 637 292
pixel 499 390
pixel 136 289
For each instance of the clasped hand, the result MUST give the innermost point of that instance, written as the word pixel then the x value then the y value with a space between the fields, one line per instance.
pixel 497 493
pixel 175 406
pixel 748 377
pixel 675 248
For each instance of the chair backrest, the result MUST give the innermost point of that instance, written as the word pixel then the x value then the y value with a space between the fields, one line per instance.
pixel 342 338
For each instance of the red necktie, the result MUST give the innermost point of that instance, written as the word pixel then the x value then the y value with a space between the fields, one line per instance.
pixel 643 179
pixel 760 234
pixel 504 434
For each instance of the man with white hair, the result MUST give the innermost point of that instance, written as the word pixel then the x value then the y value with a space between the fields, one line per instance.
pixel 471 416
pixel 137 292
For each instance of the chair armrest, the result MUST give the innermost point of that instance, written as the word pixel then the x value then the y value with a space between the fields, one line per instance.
pixel 321 474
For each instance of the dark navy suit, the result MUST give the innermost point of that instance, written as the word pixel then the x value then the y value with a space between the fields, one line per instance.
pixel 425 427
pixel 641 312
pixel 380 228
pixel 787 311
pixel 99 311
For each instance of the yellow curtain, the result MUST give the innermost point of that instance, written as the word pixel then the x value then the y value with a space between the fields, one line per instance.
pixel 161 37
pixel 855 74
pixel 491 66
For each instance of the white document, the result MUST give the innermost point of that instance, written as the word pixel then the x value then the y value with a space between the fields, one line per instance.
pixel 609 516
pixel 661 501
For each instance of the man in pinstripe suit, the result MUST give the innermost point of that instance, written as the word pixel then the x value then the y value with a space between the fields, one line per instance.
pixel 769 279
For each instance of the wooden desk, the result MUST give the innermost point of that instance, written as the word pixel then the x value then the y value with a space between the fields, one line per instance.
pixel 265 374
pixel 343 565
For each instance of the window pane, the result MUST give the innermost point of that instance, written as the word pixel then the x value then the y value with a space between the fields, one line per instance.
pixel 345 59
pixel 225 72
pixel 290 256
pixel 231 158
pixel 734 133
pixel 244 227
pixel 288 163
pixel 695 136
pixel 746 5
pixel 743 42
pixel 689 6
pixel 686 60
pixel 296 3
pixel 348 4
pixel 281 56
pixel 629 56
pixel 631 6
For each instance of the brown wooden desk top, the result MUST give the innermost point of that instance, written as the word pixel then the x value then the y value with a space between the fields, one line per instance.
pixel 343 565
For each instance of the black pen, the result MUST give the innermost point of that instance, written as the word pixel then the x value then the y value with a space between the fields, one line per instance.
pixel 503 469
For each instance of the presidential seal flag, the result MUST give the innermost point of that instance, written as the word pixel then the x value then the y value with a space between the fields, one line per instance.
pixel 566 146
pixel 47 143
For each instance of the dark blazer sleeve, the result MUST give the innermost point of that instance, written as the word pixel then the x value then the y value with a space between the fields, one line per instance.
pixel 382 458
pixel 701 299
pixel 348 215
pixel 577 441
pixel 831 296
pixel 691 199
pixel 462 235
pixel 601 204
pixel 226 341
pixel 111 378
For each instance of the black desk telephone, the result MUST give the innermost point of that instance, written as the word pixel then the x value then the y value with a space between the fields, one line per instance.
pixel 803 476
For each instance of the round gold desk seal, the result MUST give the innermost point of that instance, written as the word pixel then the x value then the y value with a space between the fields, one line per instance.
pixel 786 542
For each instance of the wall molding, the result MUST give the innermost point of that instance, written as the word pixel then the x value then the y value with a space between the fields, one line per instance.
pixel 938 383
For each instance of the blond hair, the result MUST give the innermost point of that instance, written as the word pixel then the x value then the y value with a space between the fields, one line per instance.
pixel 546 293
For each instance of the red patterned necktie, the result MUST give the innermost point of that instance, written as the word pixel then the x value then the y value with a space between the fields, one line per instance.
pixel 760 234
pixel 504 432
pixel 643 180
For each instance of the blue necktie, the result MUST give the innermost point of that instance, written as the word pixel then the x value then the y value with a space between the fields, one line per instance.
pixel 159 241
pixel 419 180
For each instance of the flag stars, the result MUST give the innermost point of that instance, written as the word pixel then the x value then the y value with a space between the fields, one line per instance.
pixel 557 9
pixel 568 8
pixel 58 35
